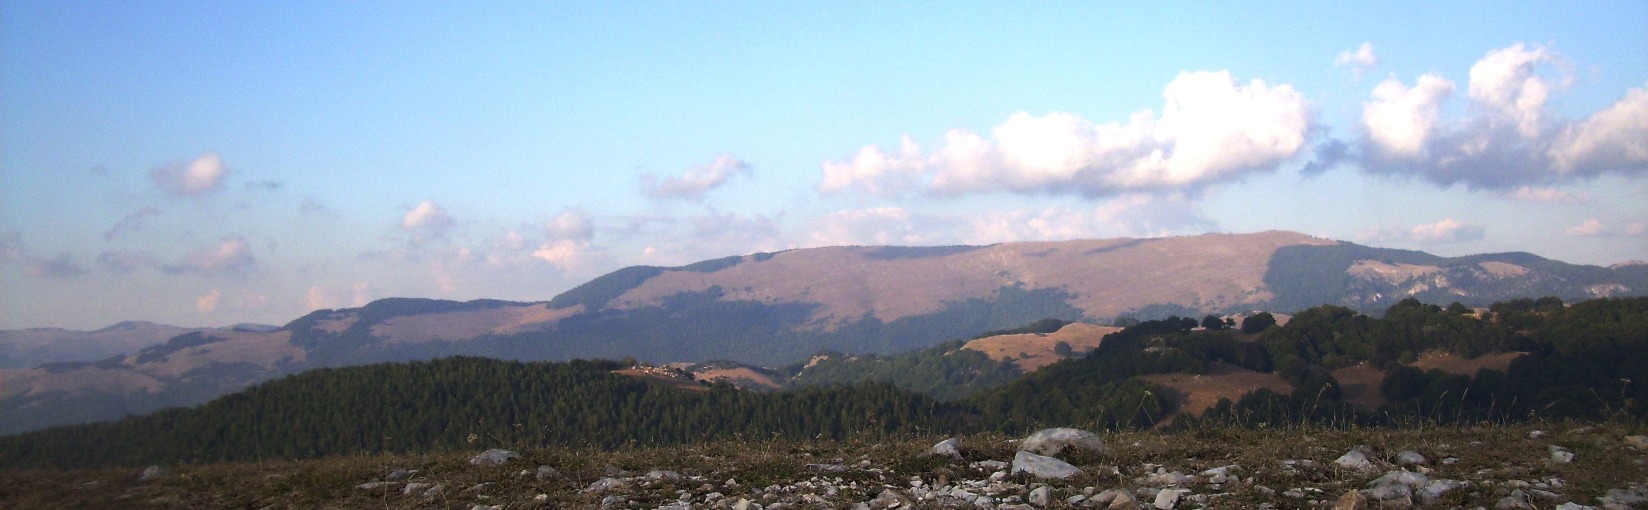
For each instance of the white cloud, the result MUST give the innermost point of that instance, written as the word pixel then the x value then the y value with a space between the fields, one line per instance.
pixel 427 215
pixel 1548 195
pixel 572 224
pixel 1448 230
pixel 1508 137
pixel 1615 138
pixel 567 254
pixel 1506 81
pixel 199 177
pixel 873 172
pixel 1359 60
pixel 1399 119
pixel 208 302
pixel 693 184
pixel 229 257
pixel 1588 228
pixel 1212 129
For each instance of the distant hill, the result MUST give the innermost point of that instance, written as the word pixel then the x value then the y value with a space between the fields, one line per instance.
pixel 26 348
pixel 773 309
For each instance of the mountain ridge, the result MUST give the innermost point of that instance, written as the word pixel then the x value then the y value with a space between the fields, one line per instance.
pixel 770 309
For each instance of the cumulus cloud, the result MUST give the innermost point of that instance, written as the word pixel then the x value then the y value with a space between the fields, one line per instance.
pixel 231 256
pixel 199 177
pixel 1212 129
pixel 1401 119
pixel 427 215
pixel 1508 138
pixel 1359 60
pixel 572 224
pixel 1588 228
pixel 130 223
pixel 1448 230
pixel 693 184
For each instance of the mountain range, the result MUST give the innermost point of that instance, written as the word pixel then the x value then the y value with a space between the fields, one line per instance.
pixel 771 309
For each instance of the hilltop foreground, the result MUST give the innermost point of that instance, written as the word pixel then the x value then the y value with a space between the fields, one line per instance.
pixel 1539 465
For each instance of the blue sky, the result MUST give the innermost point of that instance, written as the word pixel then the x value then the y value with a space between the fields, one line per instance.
pixel 214 163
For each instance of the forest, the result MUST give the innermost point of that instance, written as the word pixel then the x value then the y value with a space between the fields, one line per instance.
pixel 1587 360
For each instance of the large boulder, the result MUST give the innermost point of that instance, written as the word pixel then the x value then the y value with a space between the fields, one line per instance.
pixel 1042 466
pixel 1050 442
pixel 947 448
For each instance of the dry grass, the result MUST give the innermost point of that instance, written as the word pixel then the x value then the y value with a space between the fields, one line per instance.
pixel 1222 380
pixel 1488 458
pixel 1031 352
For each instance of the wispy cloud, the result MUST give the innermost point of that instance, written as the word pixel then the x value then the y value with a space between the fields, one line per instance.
pixel 693 184
pixel 231 256
pixel 1359 60
pixel 130 223
pixel 1212 129
pixel 1548 195
pixel 62 266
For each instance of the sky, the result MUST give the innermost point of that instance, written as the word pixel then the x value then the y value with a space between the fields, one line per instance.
pixel 213 163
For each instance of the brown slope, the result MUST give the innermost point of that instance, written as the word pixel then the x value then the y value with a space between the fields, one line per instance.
pixel 1032 351
pixel 1107 277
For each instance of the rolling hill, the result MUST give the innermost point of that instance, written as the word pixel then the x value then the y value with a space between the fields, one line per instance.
pixel 770 309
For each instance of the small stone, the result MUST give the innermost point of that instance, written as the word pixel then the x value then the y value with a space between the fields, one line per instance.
pixel 399 474
pixel 1169 498
pixel 1409 458
pixel 1124 501
pixel 1041 496
pixel 1561 455
pixel 415 487
pixel 374 485
pixel 1536 434
pixel 1352 500
pixel 494 457
pixel 1355 460
pixel 1638 442
pixel 662 474
pixel 153 473
pixel 1051 441
pixel 604 484
pixel 546 473
pixel 947 448
pixel 1043 467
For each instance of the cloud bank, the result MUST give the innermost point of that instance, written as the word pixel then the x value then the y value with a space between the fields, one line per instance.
pixel 1509 138
pixel 1212 129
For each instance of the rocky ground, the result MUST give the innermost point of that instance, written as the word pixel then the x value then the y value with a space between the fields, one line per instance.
pixel 1548 465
